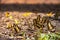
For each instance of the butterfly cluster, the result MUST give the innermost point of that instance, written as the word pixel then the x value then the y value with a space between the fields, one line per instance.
pixel 40 23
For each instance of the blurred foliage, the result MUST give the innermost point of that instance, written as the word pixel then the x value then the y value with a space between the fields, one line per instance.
pixel 51 36
pixel 47 36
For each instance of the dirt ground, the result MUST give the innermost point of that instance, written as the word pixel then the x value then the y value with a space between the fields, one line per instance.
pixel 23 24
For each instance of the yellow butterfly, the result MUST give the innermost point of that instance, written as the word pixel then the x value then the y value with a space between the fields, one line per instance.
pixel 17 21
pixel 50 26
pixel 17 29
pixel 50 14
pixel 8 15
pixel 26 14
pixel 9 25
